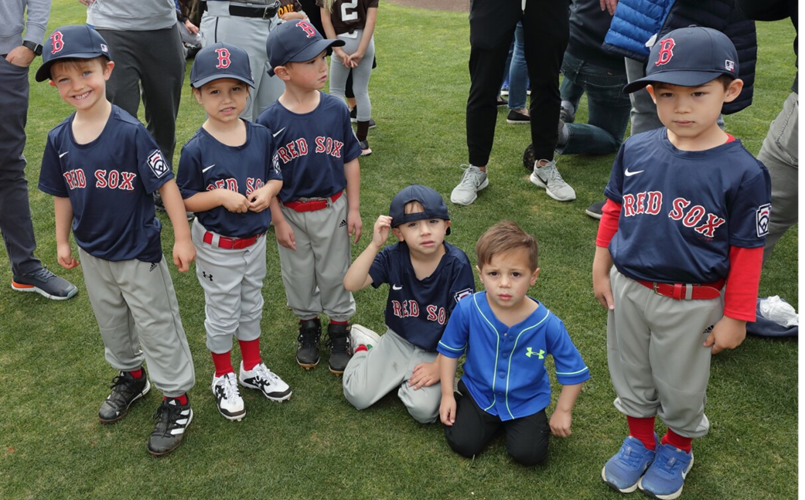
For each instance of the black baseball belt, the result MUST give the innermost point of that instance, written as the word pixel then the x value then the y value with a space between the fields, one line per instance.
pixel 266 12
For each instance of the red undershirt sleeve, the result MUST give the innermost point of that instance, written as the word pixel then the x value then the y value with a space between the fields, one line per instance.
pixel 608 225
pixel 740 294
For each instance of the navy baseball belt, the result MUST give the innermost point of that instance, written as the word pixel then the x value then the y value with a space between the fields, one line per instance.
pixel 312 204
pixel 686 291
pixel 230 243
pixel 266 12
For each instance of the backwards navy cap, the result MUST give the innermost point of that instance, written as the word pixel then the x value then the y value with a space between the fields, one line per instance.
pixel 220 60
pixel 431 201
pixel 296 41
pixel 77 41
pixel 689 57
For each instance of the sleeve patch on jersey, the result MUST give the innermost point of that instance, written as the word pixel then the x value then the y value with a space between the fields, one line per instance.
pixel 762 220
pixel 157 163
pixel 463 293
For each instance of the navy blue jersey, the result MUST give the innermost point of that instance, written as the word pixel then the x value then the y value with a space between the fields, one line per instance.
pixel 312 148
pixel 207 164
pixel 109 182
pixel 505 367
pixel 682 210
pixel 417 310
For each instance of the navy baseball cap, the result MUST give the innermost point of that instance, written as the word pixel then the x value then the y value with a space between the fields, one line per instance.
pixel 431 201
pixel 689 57
pixel 220 60
pixel 77 41
pixel 296 41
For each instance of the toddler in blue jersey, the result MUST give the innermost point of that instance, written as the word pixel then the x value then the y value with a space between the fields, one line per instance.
pixel 507 336
pixel 228 179
pixel 102 167
pixel 427 277
pixel 677 258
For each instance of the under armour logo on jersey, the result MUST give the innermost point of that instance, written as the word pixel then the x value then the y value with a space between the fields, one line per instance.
pixel 157 163
pixel 343 223
pixel 308 28
pixel 762 218
pixel 223 58
pixel 540 354
pixel 57 41
pixel 666 51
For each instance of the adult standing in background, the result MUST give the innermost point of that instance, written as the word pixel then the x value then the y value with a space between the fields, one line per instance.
pixel 780 150
pixel 16 227
pixel 144 37
pixel 545 30
pixel 246 25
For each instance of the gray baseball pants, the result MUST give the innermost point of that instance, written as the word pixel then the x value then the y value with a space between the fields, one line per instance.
pixel 656 359
pixel 372 374
pixel 360 75
pixel 135 305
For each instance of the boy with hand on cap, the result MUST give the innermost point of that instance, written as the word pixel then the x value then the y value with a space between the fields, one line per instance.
pixel 317 153
pixel 427 278
pixel 102 166
pixel 687 210
pixel 227 178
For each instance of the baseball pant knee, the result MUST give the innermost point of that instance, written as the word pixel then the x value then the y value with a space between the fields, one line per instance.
pixel 527 439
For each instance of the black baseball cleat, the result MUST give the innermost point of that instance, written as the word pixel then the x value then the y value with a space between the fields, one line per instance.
pixel 340 349
pixel 307 346
pixel 172 421
pixel 125 390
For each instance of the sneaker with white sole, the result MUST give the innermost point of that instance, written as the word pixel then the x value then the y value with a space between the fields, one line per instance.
pixel 666 476
pixel 549 178
pixel 265 381
pixel 623 471
pixel 45 283
pixel 227 396
pixel 172 421
pixel 365 149
pixel 596 210
pixel 473 180
pixel 360 335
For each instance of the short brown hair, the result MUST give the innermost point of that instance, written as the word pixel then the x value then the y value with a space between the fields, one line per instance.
pixel 506 236
pixel 78 63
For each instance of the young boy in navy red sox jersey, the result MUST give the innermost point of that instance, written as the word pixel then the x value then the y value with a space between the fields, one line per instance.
pixel 318 206
pixel 506 336
pixel 227 178
pixel 687 210
pixel 102 166
pixel 427 277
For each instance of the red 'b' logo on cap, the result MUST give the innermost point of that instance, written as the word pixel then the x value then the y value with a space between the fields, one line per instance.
pixel 56 40
pixel 666 51
pixel 308 28
pixel 223 58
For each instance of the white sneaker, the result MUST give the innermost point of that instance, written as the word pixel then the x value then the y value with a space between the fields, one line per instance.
pixel 360 335
pixel 225 390
pixel 548 177
pixel 265 381
pixel 473 180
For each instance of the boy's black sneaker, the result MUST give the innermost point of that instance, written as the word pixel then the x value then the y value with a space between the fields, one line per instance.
pixel 340 349
pixel 307 345
pixel 172 421
pixel 596 210
pixel 125 390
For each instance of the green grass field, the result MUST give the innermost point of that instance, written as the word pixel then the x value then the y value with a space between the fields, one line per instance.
pixel 53 376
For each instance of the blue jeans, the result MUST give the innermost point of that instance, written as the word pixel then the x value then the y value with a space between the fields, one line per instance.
pixel 608 107
pixel 518 71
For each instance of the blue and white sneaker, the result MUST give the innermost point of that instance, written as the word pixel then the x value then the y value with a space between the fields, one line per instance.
pixel 666 476
pixel 622 472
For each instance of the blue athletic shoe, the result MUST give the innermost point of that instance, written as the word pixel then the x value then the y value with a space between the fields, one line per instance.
pixel 622 472
pixel 666 476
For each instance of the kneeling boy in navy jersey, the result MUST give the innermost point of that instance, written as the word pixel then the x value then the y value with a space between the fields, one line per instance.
pixel 687 209
pixel 427 277
pixel 506 335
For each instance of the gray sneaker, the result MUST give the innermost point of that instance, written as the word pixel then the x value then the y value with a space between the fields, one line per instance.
pixel 473 180
pixel 548 177
pixel 45 283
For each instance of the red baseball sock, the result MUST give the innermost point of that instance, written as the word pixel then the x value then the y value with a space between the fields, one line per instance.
pixel 250 352
pixel 642 429
pixel 223 363
pixel 677 441
pixel 334 322
pixel 137 373
pixel 181 399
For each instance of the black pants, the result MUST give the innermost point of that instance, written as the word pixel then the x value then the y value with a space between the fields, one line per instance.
pixel 526 438
pixel 546 31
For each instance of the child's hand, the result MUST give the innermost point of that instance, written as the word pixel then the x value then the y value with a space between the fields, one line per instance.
pixel 65 256
pixel 259 199
pixel 342 56
pixel 424 375
pixel 233 201
pixel 183 254
pixel 381 230
pixel 355 59
pixel 447 410
pixel 728 333
pixel 602 287
pixel 284 234
pixel 354 224
pixel 560 423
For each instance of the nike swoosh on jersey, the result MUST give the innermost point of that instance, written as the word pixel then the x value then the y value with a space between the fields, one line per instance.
pixel 629 174
pixel 63 154
pixel 278 132
pixel 205 169
pixel 396 287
